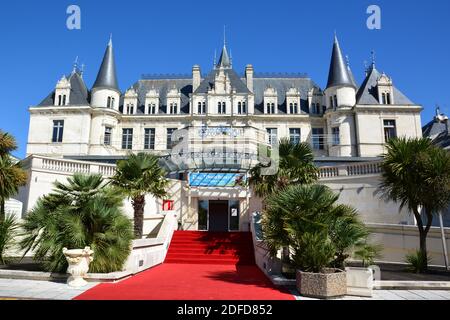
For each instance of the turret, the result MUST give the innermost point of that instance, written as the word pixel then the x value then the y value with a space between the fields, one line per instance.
pixel 341 98
pixel 341 89
pixel 106 92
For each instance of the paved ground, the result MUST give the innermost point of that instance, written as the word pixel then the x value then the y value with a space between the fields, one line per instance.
pixel 43 290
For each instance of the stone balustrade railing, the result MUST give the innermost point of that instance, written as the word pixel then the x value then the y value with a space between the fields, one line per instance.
pixel 70 166
pixel 108 170
pixel 350 170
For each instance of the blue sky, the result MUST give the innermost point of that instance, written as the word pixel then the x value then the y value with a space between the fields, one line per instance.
pixel 170 36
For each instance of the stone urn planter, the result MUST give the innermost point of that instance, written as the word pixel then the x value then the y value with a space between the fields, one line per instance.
pixel 359 281
pixel 79 260
pixel 331 283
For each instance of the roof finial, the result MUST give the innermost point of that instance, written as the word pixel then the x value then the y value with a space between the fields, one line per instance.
pixel 347 60
pixel 75 65
pixel 224 36
pixel 438 110
pixel 110 39
pixel 372 53
pixel 215 58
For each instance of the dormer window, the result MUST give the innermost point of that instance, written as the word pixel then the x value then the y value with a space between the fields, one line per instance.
pixel 201 108
pixel 173 108
pixel 62 92
pixel 270 108
pixel 221 108
pixel 62 100
pixel 151 108
pixel 130 108
pixel 242 107
pixel 385 90
pixel 293 108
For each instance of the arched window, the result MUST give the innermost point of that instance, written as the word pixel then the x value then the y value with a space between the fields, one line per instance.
pixel 199 110
pixel 331 102
pixel 64 100
pixel 388 98
pixel 291 108
pixel 244 107
pixel 112 102
pixel 383 98
pixel 59 100
pixel 273 108
pixel 239 107
pixel 295 108
pixel 224 107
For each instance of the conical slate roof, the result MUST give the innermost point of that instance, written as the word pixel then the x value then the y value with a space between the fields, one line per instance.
pixel 224 60
pixel 338 75
pixel 107 76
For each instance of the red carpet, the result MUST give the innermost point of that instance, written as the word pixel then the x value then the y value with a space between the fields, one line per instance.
pixel 199 266
pixel 193 247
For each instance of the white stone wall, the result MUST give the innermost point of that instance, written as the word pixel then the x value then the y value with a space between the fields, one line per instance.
pixel 370 128
pixel 361 193
pixel 77 124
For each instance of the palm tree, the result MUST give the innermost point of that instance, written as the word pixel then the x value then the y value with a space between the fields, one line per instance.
pixel 82 212
pixel 138 176
pixel 416 174
pixel 11 174
pixel 308 219
pixel 296 166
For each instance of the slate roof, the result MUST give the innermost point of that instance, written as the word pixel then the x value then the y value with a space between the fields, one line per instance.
pixel 282 85
pixel 236 82
pixel 163 86
pixel 107 75
pixel 79 93
pixel 367 93
pixel 438 131
pixel 338 74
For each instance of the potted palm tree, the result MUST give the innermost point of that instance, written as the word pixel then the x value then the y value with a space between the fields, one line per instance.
pixel 320 233
pixel 296 166
pixel 137 176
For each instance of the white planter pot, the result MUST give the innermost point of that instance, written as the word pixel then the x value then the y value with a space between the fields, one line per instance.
pixel 79 260
pixel 359 282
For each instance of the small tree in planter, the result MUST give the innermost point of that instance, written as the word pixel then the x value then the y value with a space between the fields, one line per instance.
pixel 321 234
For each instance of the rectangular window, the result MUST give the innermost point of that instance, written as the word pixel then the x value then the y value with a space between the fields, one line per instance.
pixel 170 143
pixel 295 135
pixel 127 139
pixel 149 139
pixel 390 130
pixel 318 138
pixel 272 134
pixel 107 138
pixel 58 130
pixel 336 136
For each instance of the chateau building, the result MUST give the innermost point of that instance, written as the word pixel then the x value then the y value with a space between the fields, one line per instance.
pixel 220 110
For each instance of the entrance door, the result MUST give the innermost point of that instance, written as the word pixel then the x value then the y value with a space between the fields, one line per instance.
pixel 218 216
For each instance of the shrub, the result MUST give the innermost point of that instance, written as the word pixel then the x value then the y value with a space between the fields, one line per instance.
pixel 417 261
pixel 82 213
pixel 8 231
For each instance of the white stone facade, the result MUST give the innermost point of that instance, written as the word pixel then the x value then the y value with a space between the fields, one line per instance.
pixel 341 122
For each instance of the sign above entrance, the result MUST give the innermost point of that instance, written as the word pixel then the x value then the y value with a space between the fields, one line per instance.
pixel 216 179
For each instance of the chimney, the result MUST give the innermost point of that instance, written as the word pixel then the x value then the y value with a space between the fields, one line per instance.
pixel 196 77
pixel 249 76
